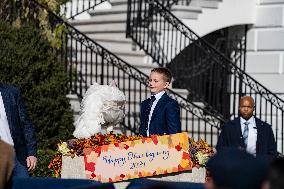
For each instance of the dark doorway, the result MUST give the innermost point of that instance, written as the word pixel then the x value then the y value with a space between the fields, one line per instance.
pixel 206 78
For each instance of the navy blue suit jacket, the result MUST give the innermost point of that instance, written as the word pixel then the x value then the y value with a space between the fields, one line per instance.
pixel 165 117
pixel 231 136
pixel 21 128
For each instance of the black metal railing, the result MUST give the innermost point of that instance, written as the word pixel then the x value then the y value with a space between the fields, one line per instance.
pixel 183 2
pixel 231 42
pixel 227 81
pixel 191 73
pixel 170 3
pixel 87 62
pixel 73 8
pixel 234 49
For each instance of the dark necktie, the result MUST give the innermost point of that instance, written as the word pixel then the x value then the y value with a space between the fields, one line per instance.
pixel 245 133
pixel 148 111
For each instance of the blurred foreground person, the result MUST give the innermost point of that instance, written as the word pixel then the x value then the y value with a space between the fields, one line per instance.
pixel 7 157
pixel 276 174
pixel 231 168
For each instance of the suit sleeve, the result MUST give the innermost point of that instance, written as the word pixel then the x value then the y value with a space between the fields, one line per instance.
pixel 222 139
pixel 173 118
pixel 141 127
pixel 272 147
pixel 28 129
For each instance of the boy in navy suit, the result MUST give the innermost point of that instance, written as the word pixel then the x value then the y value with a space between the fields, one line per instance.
pixel 159 114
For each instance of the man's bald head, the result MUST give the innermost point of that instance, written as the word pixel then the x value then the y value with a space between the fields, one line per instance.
pixel 247 98
pixel 246 107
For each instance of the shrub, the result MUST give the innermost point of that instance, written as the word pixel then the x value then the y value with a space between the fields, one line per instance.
pixel 29 62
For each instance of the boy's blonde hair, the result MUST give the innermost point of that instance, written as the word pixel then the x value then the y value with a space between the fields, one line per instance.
pixel 165 72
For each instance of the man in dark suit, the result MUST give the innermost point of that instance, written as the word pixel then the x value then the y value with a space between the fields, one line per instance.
pixel 16 129
pixel 159 114
pixel 249 133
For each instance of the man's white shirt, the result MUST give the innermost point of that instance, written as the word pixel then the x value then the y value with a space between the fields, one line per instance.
pixel 5 133
pixel 252 135
pixel 157 98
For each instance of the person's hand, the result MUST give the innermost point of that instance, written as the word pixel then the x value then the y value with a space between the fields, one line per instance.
pixel 31 162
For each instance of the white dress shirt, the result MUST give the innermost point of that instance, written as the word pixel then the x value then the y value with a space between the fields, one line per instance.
pixel 157 98
pixel 252 134
pixel 5 133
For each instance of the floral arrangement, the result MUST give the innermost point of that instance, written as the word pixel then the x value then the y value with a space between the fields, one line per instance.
pixel 199 151
pixel 75 147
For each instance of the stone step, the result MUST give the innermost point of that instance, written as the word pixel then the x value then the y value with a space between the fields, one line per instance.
pixel 211 3
pixel 97 20
pixel 75 105
pixel 119 6
pixel 205 3
pixel 186 12
pixel 112 11
pixel 113 36
pixel 122 45
pixel 134 57
pixel 113 44
pixel 122 5
pixel 79 6
pixel 110 40
pixel 115 2
pixel 94 27
pixel 108 36
pixel 110 17
pixel 96 66
pixel 102 28
pixel 131 57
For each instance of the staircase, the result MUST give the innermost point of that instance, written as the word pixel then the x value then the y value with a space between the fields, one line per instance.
pixel 107 28
pixel 194 8
pixel 72 9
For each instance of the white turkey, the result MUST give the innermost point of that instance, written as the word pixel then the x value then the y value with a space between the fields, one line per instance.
pixel 102 105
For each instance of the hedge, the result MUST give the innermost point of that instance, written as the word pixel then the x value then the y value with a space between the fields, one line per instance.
pixel 28 61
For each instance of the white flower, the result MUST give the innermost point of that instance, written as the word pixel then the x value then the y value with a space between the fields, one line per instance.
pixel 63 148
pixel 202 158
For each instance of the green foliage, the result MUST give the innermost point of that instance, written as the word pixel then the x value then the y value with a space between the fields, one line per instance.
pixel 53 5
pixel 60 30
pixel 26 12
pixel 29 62
pixel 44 158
